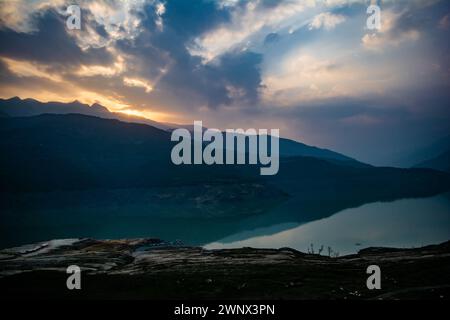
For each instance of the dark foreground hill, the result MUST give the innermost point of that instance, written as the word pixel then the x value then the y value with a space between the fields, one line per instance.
pixel 152 269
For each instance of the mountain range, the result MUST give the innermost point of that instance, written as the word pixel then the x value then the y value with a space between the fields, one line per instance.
pixel 73 151
pixel 16 107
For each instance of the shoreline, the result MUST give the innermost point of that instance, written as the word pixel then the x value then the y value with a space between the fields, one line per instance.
pixel 154 269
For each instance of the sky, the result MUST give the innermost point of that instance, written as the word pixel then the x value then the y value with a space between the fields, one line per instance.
pixel 310 68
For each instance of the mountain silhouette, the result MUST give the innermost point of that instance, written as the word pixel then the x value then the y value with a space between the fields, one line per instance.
pixel 73 151
pixel 16 107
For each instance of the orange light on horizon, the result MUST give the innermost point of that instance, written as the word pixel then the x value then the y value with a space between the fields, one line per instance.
pixel 150 115
pixel 119 107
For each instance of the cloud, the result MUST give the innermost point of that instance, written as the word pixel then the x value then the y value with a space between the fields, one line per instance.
pixel 376 42
pixel 118 18
pixel 22 16
pixel 116 68
pixel 29 69
pixel 132 82
pixel 271 38
pixel 444 23
pixel 396 28
pixel 239 63
pixel 304 76
pixel 326 20
pixel 246 21
pixel 127 43
pixel 51 43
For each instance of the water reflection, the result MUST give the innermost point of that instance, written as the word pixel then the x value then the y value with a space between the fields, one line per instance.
pixel 401 223
pixel 297 222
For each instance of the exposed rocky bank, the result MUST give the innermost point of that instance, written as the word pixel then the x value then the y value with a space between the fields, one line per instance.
pixel 153 269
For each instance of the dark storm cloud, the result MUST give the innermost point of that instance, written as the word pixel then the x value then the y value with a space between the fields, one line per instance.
pixel 208 84
pixel 191 18
pixel 154 54
pixel 4 72
pixel 242 70
pixel 271 38
pixel 50 44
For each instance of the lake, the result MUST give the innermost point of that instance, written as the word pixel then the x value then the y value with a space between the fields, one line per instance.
pixel 400 223
pixel 404 223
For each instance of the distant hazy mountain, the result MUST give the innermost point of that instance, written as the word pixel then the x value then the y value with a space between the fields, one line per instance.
pixel 290 148
pixel 441 162
pixel 16 107
pixel 423 153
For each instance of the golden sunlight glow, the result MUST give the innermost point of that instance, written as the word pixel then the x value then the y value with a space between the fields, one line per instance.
pixel 95 70
pixel 304 77
pixel 90 98
pixel 110 103
pixel 29 69
pixel 133 82
pixel 152 115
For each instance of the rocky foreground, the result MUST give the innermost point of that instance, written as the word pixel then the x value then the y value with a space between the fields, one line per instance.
pixel 153 269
